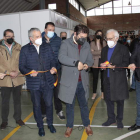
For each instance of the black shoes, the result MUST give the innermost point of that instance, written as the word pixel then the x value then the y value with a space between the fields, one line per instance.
pixel 41 132
pixel 131 89
pixel 109 122
pixel 3 125
pixel 52 129
pixel 119 124
pixel 61 115
pixel 134 127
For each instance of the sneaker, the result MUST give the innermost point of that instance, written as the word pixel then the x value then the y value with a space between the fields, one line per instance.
pixel 119 124
pixel 109 122
pixel 3 125
pixel 44 118
pixel 20 122
pixel 61 116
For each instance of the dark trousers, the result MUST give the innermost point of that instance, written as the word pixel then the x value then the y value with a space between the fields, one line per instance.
pixel 5 94
pixel 80 93
pixel 95 72
pixel 57 101
pixel 47 95
pixel 110 105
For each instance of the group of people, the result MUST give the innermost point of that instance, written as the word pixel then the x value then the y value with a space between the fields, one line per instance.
pixel 48 58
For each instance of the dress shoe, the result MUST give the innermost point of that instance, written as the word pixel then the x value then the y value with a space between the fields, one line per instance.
pixel 68 132
pixel 52 129
pixel 89 131
pixel 20 122
pixel 109 122
pixel 61 115
pixel 3 125
pixel 119 124
pixel 134 127
pixel 131 89
pixel 41 132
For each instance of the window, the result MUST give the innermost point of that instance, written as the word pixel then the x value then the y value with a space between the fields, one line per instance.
pixel 118 7
pixel 74 3
pixel 82 10
pixel 52 6
pixel 91 12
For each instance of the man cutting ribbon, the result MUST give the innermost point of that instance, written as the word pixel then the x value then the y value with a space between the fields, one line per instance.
pixel 37 56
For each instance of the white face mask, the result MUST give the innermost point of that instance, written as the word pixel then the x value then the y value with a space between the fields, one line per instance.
pixel 38 41
pixel 110 44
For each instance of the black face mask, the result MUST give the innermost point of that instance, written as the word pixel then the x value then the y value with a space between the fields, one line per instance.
pixel 10 40
pixel 98 37
pixel 63 38
pixel 81 41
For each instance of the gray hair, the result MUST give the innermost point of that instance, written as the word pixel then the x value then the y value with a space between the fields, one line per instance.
pixel 115 32
pixel 30 32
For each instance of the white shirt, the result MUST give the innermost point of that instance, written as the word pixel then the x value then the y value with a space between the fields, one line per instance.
pixel 37 48
pixel 10 48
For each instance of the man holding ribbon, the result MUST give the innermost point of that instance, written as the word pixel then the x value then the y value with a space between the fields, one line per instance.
pixel 9 74
pixel 75 57
pixel 38 64
pixel 114 60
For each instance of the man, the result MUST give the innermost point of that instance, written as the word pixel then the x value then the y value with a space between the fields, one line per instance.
pixel 135 62
pixel 75 57
pixel 51 38
pixel 9 56
pixel 115 80
pixel 38 56
pixel 63 35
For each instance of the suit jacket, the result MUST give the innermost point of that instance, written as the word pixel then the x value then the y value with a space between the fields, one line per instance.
pixel 30 60
pixel 118 79
pixel 68 55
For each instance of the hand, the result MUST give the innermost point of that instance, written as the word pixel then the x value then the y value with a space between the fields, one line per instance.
pixel 132 67
pixel 111 66
pixel 2 75
pixel 103 65
pixel 53 70
pixel 14 74
pixel 80 66
pixel 85 67
pixel 34 74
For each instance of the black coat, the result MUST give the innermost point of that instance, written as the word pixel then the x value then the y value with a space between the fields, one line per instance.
pixel 118 79
pixel 135 59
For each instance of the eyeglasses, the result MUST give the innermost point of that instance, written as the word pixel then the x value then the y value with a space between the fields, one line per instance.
pixel 109 39
pixel 9 36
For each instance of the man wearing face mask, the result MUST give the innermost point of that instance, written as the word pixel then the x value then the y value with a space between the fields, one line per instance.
pixel 51 38
pixel 38 56
pixel 63 35
pixel 10 82
pixel 75 57
pixel 115 80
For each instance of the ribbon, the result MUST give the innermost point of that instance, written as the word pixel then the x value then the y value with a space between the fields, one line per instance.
pixel 31 72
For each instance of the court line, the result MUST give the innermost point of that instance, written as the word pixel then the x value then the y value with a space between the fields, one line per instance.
pixel 91 115
pixel 127 135
pixel 79 125
pixel 17 128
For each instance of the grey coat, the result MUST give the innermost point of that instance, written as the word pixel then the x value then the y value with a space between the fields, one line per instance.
pixel 68 55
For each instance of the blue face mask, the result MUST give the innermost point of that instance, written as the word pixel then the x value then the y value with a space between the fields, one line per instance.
pixel 50 34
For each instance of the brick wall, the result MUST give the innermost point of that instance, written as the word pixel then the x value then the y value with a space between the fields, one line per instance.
pixel 62 8
pixel 126 22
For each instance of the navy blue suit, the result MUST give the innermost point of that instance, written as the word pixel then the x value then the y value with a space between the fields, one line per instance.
pixel 42 85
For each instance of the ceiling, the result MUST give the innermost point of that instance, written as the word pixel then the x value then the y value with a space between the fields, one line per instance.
pixel 10 6
pixel 88 4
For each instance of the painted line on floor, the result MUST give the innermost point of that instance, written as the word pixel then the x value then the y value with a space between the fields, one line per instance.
pixel 127 135
pixel 91 115
pixel 17 128
pixel 76 125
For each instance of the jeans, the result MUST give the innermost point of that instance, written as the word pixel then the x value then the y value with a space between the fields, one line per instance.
pixel 80 93
pixel 47 94
pixel 133 86
pixel 138 102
